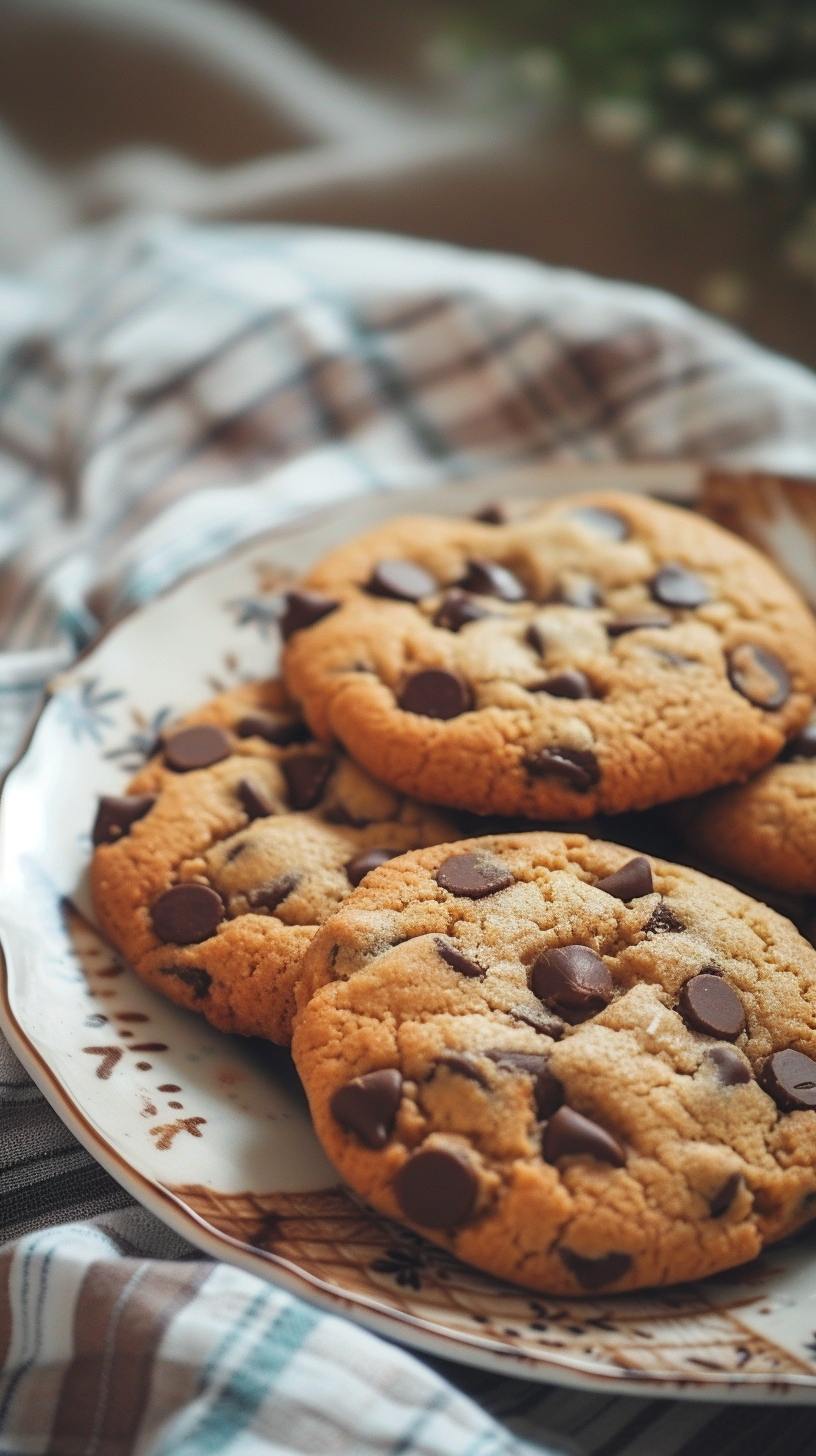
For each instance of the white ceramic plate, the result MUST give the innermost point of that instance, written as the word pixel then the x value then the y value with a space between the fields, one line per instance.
pixel 212 1133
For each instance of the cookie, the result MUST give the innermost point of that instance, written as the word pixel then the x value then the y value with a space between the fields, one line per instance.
pixel 764 830
pixel 610 653
pixel 231 846
pixel 575 1068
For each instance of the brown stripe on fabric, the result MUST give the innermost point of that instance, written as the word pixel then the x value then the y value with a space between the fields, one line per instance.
pixel 123 1310
pixel 6 1261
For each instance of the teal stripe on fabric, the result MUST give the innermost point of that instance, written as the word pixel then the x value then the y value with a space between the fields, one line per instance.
pixel 248 1387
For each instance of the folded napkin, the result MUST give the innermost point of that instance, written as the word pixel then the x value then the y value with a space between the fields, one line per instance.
pixel 165 393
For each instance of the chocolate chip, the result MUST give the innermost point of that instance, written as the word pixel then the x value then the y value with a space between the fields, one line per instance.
pixel 731 1069
pixel 662 920
pixel 675 586
pixel 567 684
pixel 196 747
pixel 545 1023
pixel 273 893
pixel 435 693
pixel 436 1187
pixel 602 522
pixel 803 745
pixel 306 775
pixel 404 581
pixel 577 767
pixel 629 882
pixel 595 1273
pixel 495 513
pixel 574 980
pixel 724 1197
pixel 581 592
pixel 790 1078
pixel 187 914
pixel 253 800
pixel 273 730
pixel 708 1004
pixel 199 982
pixel 759 676
pixel 465 1065
pixel 636 622
pixel 489 579
pixel 473 875
pixel 461 963
pixel 116 814
pixel 368 1105
pixel 457 609
pixel 368 859
pixel 303 609
pixel 569 1133
pixel 548 1094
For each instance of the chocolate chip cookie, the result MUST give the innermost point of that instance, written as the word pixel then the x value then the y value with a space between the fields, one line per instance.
pixel 238 839
pixel 609 653
pixel 764 830
pixel 575 1067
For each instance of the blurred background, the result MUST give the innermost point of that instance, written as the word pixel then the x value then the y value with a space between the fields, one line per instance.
pixel 668 142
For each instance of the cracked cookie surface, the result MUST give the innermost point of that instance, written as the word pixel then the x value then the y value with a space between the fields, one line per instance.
pixel 609 653
pixel 231 846
pixel 577 1069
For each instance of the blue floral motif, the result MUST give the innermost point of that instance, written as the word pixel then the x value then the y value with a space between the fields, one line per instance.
pixel 84 709
pixel 252 611
pixel 141 743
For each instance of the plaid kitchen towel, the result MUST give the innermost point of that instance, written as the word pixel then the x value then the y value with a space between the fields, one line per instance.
pixel 166 392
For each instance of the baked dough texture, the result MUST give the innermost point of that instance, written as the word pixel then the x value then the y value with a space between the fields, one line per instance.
pixel 647 1125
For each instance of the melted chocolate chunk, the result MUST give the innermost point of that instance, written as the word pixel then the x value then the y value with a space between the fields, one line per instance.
pixel 489 579
pixel 542 1021
pixel 199 982
pixel 569 1134
pixel 595 1273
pixel 253 800
pixel 636 622
pixel 724 1197
pixel 708 1004
pixel 790 1078
pixel 187 914
pixel 368 859
pixel 581 592
pixel 548 1094
pixel 303 609
pixel 662 921
pixel 280 731
pixel 306 777
pixel 465 1065
pixel 759 676
pixel 457 608
pixel 403 581
pixel 567 684
pixel 676 586
pixel 459 962
pixel 731 1069
pixel 803 745
pixel 602 522
pixel 473 875
pixel 574 980
pixel 196 747
pixel 434 693
pixel 368 1106
pixel 436 1188
pixel 115 816
pixel 273 893
pixel 578 768
pixel 629 882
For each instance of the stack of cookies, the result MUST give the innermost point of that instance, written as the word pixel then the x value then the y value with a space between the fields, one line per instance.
pixel 576 1067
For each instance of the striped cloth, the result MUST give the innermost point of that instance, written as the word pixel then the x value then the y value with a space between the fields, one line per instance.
pixel 166 392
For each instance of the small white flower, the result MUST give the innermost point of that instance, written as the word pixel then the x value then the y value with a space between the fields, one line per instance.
pixel 776 146
pixel 725 293
pixel 798 100
pixel 540 71
pixel 618 121
pixel 673 161
pixel 747 40
pixel 689 72
pixel 731 114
